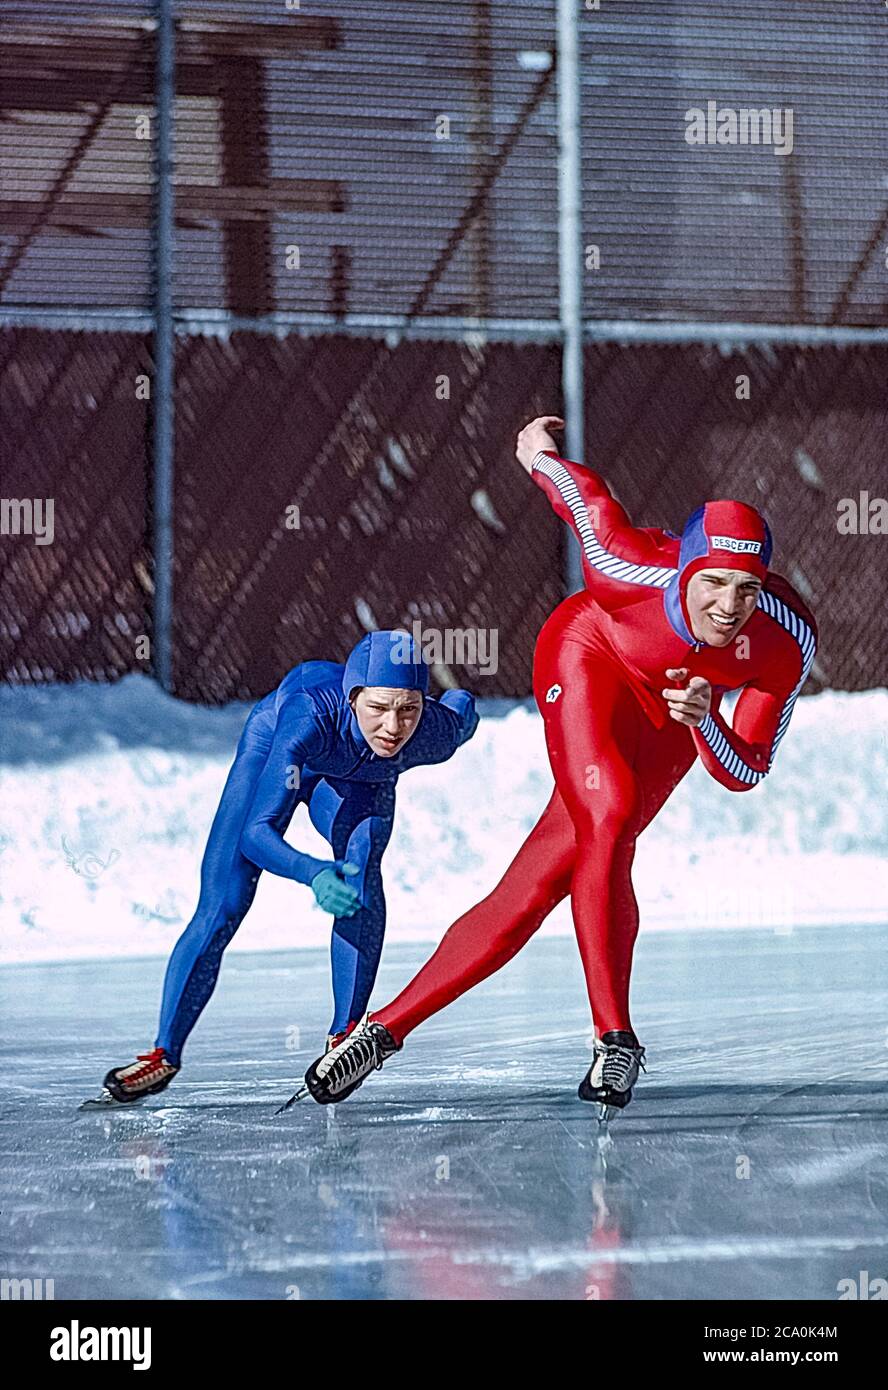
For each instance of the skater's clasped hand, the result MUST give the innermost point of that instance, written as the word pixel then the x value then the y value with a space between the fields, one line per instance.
pixel 333 893
pixel 688 704
pixel 535 436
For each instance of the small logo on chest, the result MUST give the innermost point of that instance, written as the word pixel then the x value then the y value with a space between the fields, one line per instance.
pixel 552 694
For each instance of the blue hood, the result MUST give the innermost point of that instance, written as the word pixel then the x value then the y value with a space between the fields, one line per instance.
pixel 389 658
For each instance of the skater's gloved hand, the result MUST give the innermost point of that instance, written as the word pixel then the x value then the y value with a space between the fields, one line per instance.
pixel 333 893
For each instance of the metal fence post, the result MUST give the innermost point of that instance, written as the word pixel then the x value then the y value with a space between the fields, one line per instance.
pixel 164 347
pixel 570 254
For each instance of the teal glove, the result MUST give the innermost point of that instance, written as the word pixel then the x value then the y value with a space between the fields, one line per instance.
pixel 333 894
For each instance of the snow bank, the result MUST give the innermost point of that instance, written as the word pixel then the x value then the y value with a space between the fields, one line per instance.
pixel 108 793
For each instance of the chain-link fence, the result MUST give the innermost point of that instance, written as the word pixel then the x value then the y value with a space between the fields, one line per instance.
pixel 327 485
pixel 75 561
pixel 795 431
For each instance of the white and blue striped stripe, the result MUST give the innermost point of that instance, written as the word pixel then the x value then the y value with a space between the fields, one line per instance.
pixel 715 739
pixel 600 559
pixel 730 761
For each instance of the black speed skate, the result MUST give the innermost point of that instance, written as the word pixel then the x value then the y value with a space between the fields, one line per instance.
pixel 345 1067
pixel 618 1057
pixel 333 1040
pixel 151 1072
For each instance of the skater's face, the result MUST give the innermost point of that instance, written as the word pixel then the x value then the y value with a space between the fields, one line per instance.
pixel 387 718
pixel 719 603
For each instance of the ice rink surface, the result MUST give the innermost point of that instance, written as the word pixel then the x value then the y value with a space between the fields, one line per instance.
pixel 751 1163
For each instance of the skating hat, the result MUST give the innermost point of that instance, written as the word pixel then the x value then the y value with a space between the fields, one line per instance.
pixel 388 658
pixel 724 535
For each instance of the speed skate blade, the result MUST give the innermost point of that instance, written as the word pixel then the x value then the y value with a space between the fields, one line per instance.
pixel 106 1101
pixel 303 1091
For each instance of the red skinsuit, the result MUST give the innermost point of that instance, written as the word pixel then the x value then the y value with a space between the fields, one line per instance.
pixel 599 672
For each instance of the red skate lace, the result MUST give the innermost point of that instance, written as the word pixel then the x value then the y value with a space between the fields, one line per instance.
pixel 155 1061
pixel 337 1038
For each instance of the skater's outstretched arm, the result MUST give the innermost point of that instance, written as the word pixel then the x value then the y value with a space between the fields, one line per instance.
pixel 618 556
pixel 446 725
pixel 741 755
pixel 462 705
pixel 301 737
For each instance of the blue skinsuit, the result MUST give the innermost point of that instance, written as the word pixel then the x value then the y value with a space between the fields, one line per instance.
pixel 302 745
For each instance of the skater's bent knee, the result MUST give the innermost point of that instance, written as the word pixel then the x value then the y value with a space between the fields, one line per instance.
pixel 606 827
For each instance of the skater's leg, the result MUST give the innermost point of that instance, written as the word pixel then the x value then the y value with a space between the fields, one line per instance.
pixel 592 727
pixel 227 887
pixel 490 934
pixel 357 821
pixel 614 770
pixel 356 943
pixel 194 965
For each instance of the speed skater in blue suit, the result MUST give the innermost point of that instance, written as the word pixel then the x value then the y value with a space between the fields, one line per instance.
pixel 335 739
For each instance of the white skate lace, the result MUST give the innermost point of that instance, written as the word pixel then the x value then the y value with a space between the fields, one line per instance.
pixel 617 1066
pixel 363 1054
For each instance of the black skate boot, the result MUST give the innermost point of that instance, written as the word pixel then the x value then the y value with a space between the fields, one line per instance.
pixel 150 1073
pixel 345 1067
pixel 614 1071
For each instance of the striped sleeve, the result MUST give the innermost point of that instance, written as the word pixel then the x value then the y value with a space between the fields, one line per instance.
pixel 741 756
pixel 615 552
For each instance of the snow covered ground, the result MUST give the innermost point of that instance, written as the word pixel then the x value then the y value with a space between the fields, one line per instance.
pixel 108 792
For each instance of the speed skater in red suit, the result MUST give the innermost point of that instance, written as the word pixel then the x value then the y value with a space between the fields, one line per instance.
pixel 629 675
